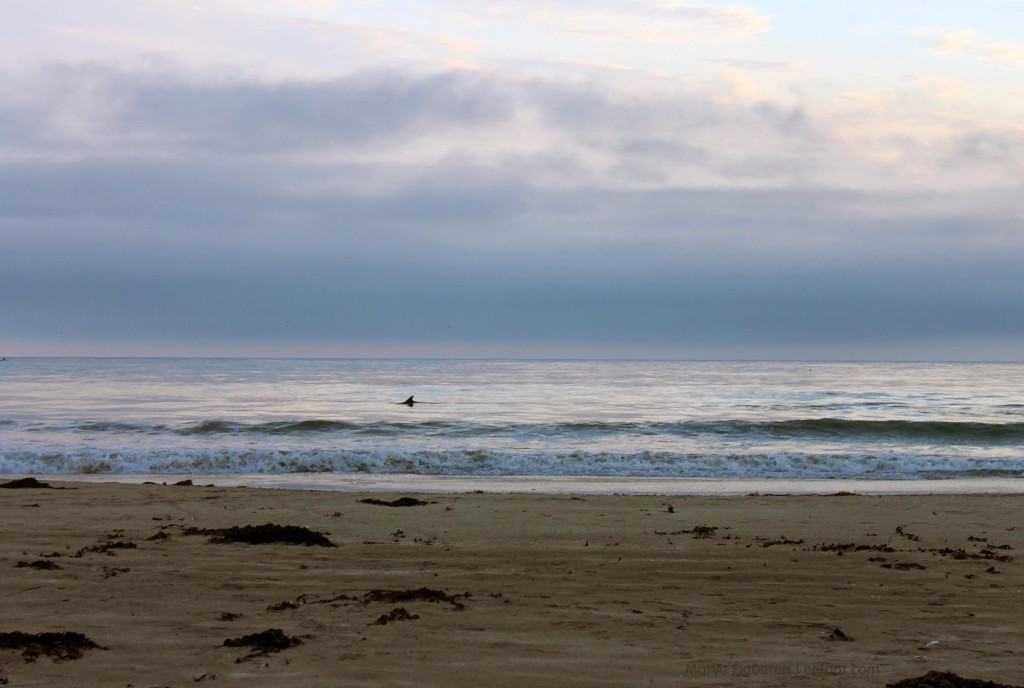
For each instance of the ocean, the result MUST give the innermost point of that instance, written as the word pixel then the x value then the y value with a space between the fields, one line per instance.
pixel 618 425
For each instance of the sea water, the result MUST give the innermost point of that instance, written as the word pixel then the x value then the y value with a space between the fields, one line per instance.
pixel 669 424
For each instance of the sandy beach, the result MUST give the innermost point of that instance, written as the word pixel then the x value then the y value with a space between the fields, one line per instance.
pixel 506 589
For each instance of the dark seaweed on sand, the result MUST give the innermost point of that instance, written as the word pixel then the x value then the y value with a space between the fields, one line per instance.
pixel 42 564
pixel 61 646
pixel 945 679
pixel 961 554
pixel 309 598
pixel 840 547
pixel 264 642
pixel 838 634
pixel 282 606
pixel 420 594
pixel 105 548
pixel 904 566
pixel 783 540
pixel 25 483
pixel 401 501
pixel 267 533
pixel 698 532
pixel 396 614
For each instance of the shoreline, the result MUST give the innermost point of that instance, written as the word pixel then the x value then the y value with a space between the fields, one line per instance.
pixel 511 589
pixel 565 485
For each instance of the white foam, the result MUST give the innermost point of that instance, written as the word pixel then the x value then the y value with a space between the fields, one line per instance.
pixel 383 461
pixel 572 485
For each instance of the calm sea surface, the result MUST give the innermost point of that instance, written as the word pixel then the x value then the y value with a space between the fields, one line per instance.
pixel 723 421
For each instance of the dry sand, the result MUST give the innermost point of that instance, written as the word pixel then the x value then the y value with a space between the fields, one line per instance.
pixel 533 590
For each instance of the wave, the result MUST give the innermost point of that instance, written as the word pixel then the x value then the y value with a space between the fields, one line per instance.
pixel 949 431
pixel 789 465
pixel 115 427
pixel 833 429
pixel 299 427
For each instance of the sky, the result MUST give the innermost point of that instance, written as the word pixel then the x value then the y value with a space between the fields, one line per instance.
pixel 772 179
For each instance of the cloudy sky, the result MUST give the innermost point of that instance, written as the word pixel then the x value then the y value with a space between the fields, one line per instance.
pixel 566 178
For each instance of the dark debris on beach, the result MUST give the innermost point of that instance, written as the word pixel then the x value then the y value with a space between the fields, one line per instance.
pixel 263 643
pixel 841 547
pixel 782 540
pixel 396 614
pixel 105 548
pixel 698 532
pixel 60 646
pixel 945 679
pixel 391 597
pixel 401 501
pixel 905 566
pixel 838 634
pixel 961 554
pixel 41 564
pixel 26 483
pixel 419 594
pixel 268 533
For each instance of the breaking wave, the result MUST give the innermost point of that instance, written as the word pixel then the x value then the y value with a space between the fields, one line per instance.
pixel 505 463
pixel 945 432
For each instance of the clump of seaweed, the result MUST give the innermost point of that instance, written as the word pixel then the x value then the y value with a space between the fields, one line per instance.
pixel 698 532
pixel 401 501
pixel 841 547
pixel 282 606
pixel 42 564
pixel 268 533
pixel 420 594
pixel 105 548
pixel 945 679
pixel 783 540
pixel 263 643
pixel 961 554
pixel 309 598
pixel 61 645
pixel 26 483
pixel 901 530
pixel 396 614
pixel 904 566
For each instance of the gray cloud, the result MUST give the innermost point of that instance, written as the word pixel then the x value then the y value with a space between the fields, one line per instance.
pixel 383 206
pixel 550 133
pixel 102 109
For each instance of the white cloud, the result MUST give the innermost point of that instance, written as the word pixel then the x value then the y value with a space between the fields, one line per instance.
pixel 969 42
pixel 942 87
pixel 214 35
pixel 951 41
pixel 767 67
pixel 641 21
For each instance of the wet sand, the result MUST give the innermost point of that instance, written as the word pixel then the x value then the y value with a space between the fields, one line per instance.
pixel 507 589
